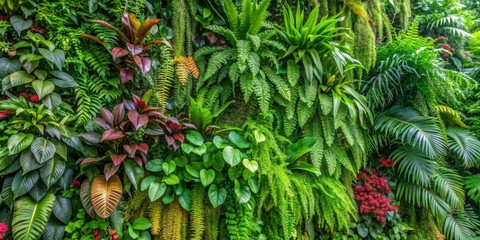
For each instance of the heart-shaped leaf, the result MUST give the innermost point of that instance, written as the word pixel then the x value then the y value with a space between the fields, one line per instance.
pixel 52 171
pixel 171 179
pixel 117 159
pixel 43 88
pixel 63 79
pixel 232 156
pixel 105 195
pixel 207 176
pixel 19 24
pixel 52 100
pixel 28 161
pixel 169 167
pixel 42 149
pixel 23 183
pixel 8 66
pixel 18 142
pixel 56 56
pixel 138 120
pixel 141 223
pixel 146 182
pixel 135 49
pixel 238 140
pixel 243 192
pixel 20 78
pixel 118 52
pixel 195 138
pixel 110 169
pixel 186 200
pixel 250 165
pixel 156 190
pixel 143 64
pixel 126 75
pixel 217 195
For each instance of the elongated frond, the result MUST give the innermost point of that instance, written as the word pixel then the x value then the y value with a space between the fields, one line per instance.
pixel 413 165
pixel 448 184
pixel 459 227
pixel 423 197
pixel 464 145
pixel 408 126
pixel 472 184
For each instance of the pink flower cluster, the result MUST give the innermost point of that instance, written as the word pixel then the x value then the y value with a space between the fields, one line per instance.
pixel 371 194
pixel 446 46
pixel 76 183
pixel 3 229
pixel 386 162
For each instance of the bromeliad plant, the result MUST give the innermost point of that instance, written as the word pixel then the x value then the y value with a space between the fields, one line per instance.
pixel 124 139
pixel 135 45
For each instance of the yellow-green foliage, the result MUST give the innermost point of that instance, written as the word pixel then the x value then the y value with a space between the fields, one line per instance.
pixel 383 26
pixel 357 7
pixel 175 221
pixel 403 13
pixel 155 213
pixel 134 204
pixel 197 215
pixel 212 218
pixel 8 6
pixel 474 43
pixel 164 77
pixel 364 38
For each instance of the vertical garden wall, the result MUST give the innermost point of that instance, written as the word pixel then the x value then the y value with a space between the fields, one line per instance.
pixel 223 119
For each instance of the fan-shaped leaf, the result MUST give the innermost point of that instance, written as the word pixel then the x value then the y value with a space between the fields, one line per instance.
pixel 105 195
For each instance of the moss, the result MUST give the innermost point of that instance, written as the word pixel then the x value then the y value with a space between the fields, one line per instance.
pixel 364 48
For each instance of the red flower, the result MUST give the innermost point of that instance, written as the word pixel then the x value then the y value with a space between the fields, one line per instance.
pixel 3 227
pixel 441 38
pixel 76 183
pixel 34 99
pixel 1 236
pixel 24 95
pixel 5 114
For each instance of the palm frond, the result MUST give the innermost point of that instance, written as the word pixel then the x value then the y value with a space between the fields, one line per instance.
pixel 448 184
pixel 414 166
pixel 464 145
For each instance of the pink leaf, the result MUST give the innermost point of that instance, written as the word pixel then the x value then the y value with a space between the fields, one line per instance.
pixel 92 137
pixel 130 149
pixel 127 24
pixel 179 137
pixel 90 160
pixel 170 139
pixel 135 49
pixel 139 161
pixel 138 120
pixel 129 105
pixel 102 123
pixel 109 170
pixel 117 159
pixel 118 114
pixel 126 75
pixel 111 134
pixel 107 116
pixel 118 52
pixel 142 147
pixel 143 63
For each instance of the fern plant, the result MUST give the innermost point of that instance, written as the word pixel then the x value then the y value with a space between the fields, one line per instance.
pixel 250 43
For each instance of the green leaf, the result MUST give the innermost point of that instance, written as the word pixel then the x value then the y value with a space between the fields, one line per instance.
pixel 169 167
pixel 30 218
pixel 232 156
pixel 42 149
pixel 52 100
pixel 187 148
pixel 259 137
pixel 146 182
pixel 52 171
pixel 217 195
pixel 243 192
pixel 362 230
pixel 23 183
pixel 56 56
pixel 8 66
pixel 200 150
pixel 238 140
pixel 195 172
pixel 195 138
pixel 20 78
pixel 154 165
pixel 43 88
pixel 186 200
pixel 156 189
pixel 253 184
pixel 54 230
pixel 250 165
pixel 219 142
pixel 207 176
pixel 134 172
pixel 301 165
pixel 298 149
pixel 63 79
pixel 171 179
pixel 62 209
pixel 293 72
pixel 141 223
pixel 20 24
pixel 28 161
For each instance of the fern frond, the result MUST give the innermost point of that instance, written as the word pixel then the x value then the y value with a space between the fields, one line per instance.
pixel 278 82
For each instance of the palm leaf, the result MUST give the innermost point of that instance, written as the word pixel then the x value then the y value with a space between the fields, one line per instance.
pixel 413 165
pixel 448 184
pixel 465 146
pixel 458 227
pixel 472 184
pixel 30 218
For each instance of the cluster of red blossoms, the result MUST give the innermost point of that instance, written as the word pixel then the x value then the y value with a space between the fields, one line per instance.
pixel 371 195
pixel 113 234
pixel 386 162
pixel 3 229
pixel 30 98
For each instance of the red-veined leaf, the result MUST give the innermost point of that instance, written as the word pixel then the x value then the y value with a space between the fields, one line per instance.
pixel 126 75
pixel 138 161
pixel 91 160
pixel 118 114
pixel 135 49
pixel 102 123
pixel 118 52
pixel 127 24
pixel 130 149
pixel 107 116
pixel 111 134
pixel 142 147
pixel 179 137
pixel 92 137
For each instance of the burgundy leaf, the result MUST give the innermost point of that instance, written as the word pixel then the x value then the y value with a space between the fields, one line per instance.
pixel 111 134
pixel 191 126
pixel 129 105
pixel 102 123
pixel 109 170
pixel 212 38
pixel 122 125
pixel 142 147
pixel 130 149
pixel 107 116
pixel 117 159
pixel 179 137
pixel 90 160
pixel 135 49
pixel 154 130
pixel 139 161
pixel 118 52
pixel 154 114
pixel 139 102
pixel 118 114
pixel 149 109
pixel 143 63
pixel 127 24
pixel 138 120
pixel 143 156
pixel 175 146
pixel 170 140
pixel 92 137
pixel 126 75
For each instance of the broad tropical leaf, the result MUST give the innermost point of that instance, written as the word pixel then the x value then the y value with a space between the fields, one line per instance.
pixel 105 195
pixel 30 218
